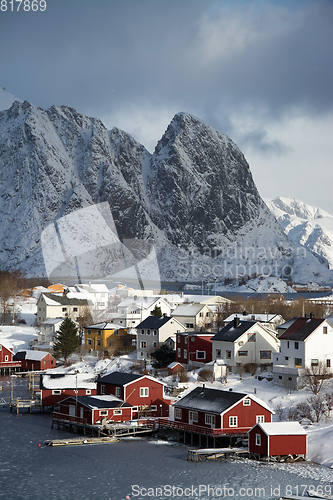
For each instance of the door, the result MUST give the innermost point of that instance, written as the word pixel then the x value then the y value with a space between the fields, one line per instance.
pixel 193 417
pixel 72 410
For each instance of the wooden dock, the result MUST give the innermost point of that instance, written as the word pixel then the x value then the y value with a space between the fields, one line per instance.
pixel 214 453
pixel 19 403
pixel 80 441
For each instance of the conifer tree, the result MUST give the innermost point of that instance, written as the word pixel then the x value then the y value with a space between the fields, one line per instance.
pixel 157 311
pixel 67 341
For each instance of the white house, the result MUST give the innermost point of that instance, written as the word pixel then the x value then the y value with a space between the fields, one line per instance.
pixel 243 342
pixel 193 316
pixel 132 312
pixel 270 320
pixel 305 343
pixel 51 305
pixel 154 331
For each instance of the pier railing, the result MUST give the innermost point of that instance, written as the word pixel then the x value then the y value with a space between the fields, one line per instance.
pixel 198 429
pixel 68 418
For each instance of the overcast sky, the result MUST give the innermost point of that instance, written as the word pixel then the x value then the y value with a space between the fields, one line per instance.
pixel 259 71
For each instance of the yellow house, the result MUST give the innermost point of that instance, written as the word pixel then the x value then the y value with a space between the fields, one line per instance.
pixel 96 336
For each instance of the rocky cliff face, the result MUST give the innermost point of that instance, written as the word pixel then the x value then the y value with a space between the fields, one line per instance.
pixel 193 200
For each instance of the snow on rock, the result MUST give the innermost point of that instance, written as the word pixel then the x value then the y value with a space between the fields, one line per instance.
pixel 193 202
pixel 304 224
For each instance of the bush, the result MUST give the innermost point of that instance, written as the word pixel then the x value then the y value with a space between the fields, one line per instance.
pixel 184 377
pixel 205 375
pixel 251 368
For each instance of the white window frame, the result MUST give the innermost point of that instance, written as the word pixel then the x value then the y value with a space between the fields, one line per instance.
pixel 117 412
pixel 193 415
pixel 258 439
pixel 144 392
pixel 56 392
pixel 118 392
pixel 88 392
pixel 153 408
pixel 102 389
pixel 233 421
pixel 209 419
pixel 260 419
pixel 178 413
pixel 103 413
pixel 204 354
pixel 247 402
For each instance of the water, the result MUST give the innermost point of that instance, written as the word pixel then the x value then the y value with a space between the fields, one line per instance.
pixel 138 468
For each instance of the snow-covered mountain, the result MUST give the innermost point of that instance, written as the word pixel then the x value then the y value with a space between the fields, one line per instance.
pixel 77 199
pixel 306 225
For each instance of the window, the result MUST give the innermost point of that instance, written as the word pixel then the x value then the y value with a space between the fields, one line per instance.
pixel 88 392
pixel 193 416
pixel 209 419
pixel 148 332
pixel 258 440
pixel 286 358
pixel 153 408
pixel 242 353
pixel 207 315
pixel 179 351
pixel 200 314
pixel 75 309
pixel 228 354
pixel 325 329
pixel 328 363
pixel 265 354
pixel 98 342
pixel 218 353
pixel 56 392
pixel 99 332
pixel 117 412
pixel 89 331
pixel 280 377
pixel 298 362
pixel 88 341
pixel 192 339
pixel 185 354
pixel 247 402
pixel 178 338
pixel 314 362
pixel 154 344
pixel 233 421
pixel 260 419
pixel 142 332
pixel 288 344
pixel 7 358
pixel 185 340
pixel 201 355
pixel 103 413
pixel 155 332
pixel 118 392
pixel 178 413
pixel 144 392
pixel 143 345
pixel 189 325
pixel 251 337
pixel 296 345
pixel 102 389
pixel 64 309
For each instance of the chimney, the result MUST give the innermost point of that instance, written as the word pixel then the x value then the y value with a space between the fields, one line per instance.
pixel 311 315
pixel 236 322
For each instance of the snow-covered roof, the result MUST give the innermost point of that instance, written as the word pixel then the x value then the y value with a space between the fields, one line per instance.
pixel 52 321
pixel 80 381
pixel 282 428
pixel 34 355
pixel 175 363
pixel 7 345
pixel 104 326
pixel 188 309
pixel 264 318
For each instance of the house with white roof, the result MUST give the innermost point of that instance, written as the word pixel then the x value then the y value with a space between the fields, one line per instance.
pixel 193 315
pixel 270 320
pixel 51 305
pixel 132 312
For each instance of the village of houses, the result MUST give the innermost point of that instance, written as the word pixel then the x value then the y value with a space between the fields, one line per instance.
pixel 253 380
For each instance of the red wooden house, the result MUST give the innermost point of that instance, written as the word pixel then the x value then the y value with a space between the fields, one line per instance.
pixel 214 411
pixel 143 392
pixel 56 387
pixel 194 348
pixel 35 360
pixel 6 359
pixel 93 409
pixel 278 438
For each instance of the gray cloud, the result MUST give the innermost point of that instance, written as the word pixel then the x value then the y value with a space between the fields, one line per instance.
pixel 152 58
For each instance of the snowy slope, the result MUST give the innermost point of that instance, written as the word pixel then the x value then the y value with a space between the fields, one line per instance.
pixel 79 200
pixel 306 225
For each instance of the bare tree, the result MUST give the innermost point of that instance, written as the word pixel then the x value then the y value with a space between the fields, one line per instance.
pixel 279 410
pixel 318 406
pixel 315 376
